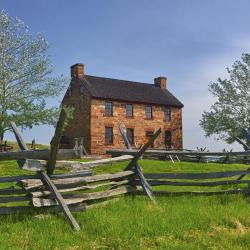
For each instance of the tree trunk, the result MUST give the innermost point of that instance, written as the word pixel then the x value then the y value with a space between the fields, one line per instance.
pixel 1 137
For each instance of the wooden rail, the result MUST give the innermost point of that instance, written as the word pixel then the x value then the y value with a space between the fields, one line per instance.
pixel 43 154
pixel 118 152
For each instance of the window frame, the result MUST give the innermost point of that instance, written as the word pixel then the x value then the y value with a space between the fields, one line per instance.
pixel 132 142
pixel 167 115
pixel 151 112
pixel 168 145
pixel 132 110
pixel 110 109
pixel 107 141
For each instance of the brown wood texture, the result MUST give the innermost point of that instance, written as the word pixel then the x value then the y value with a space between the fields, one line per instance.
pixel 56 141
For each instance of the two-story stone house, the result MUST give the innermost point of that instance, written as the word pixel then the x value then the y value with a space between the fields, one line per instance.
pixel 101 104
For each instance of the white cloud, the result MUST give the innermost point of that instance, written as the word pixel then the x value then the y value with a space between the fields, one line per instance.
pixel 197 98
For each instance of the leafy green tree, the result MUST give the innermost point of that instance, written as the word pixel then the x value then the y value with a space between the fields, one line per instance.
pixel 25 77
pixel 231 111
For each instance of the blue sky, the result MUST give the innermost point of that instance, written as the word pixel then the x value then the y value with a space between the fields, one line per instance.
pixel 190 42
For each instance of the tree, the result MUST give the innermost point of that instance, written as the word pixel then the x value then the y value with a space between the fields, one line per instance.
pixel 25 77
pixel 231 112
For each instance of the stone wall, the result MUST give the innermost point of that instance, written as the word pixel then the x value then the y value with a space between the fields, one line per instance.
pixel 138 122
pixel 78 96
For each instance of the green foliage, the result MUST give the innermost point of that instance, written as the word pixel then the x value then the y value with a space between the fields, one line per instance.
pixel 25 77
pixel 231 112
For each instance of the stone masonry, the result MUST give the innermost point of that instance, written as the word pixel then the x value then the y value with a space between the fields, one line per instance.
pixel 90 121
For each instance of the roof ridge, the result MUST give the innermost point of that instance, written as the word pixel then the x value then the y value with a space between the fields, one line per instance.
pixel 121 80
pixel 124 90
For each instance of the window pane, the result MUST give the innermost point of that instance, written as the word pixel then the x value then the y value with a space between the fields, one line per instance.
pixel 168 114
pixel 108 108
pixel 108 135
pixel 130 135
pixel 168 139
pixel 129 110
pixel 149 112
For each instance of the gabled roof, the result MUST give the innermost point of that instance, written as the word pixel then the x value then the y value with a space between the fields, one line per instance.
pixel 128 91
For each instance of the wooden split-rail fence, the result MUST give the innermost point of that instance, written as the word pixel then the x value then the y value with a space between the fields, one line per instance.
pixel 197 156
pixel 79 189
pixel 65 192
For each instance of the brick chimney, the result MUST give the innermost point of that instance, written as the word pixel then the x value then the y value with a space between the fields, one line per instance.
pixel 161 82
pixel 77 71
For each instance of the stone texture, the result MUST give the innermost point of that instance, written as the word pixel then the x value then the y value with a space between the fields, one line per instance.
pixel 138 122
pixel 90 121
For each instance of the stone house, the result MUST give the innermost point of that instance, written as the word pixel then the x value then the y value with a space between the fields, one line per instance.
pixel 101 104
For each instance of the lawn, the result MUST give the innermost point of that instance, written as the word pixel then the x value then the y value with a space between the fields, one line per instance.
pixel 187 222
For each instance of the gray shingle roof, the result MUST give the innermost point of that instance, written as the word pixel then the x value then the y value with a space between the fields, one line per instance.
pixel 128 91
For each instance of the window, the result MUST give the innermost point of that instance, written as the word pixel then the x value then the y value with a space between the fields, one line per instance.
pixel 149 134
pixel 168 139
pixel 167 114
pixel 108 135
pixel 130 135
pixel 149 112
pixel 129 110
pixel 81 88
pixel 108 108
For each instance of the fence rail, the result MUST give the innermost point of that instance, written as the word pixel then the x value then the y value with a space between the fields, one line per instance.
pixel 118 152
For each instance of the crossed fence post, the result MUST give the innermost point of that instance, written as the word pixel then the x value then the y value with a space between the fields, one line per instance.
pixel 50 166
pixel 134 162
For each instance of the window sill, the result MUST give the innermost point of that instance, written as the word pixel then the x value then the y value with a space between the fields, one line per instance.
pixel 130 117
pixel 165 120
pixel 148 118
pixel 107 115
pixel 109 144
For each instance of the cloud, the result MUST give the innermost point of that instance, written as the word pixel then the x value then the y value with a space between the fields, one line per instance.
pixel 196 97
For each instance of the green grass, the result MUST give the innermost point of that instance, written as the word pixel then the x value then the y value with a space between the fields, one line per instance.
pixel 218 222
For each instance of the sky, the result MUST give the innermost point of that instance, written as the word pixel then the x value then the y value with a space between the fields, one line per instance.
pixel 190 42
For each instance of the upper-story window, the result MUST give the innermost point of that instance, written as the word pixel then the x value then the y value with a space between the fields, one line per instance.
pixel 129 110
pixel 149 114
pixel 167 114
pixel 108 109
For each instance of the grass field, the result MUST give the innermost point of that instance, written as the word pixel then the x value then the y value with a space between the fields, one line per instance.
pixel 218 222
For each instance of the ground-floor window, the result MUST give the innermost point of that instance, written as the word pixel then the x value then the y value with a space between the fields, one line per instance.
pixel 108 135
pixel 149 134
pixel 130 135
pixel 64 140
pixel 168 139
